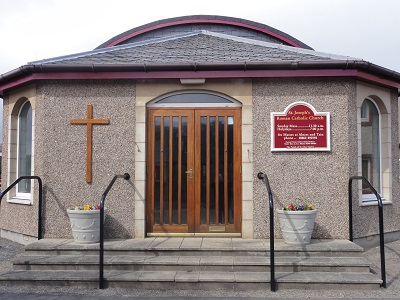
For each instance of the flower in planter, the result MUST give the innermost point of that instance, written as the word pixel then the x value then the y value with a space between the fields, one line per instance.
pixel 86 207
pixel 299 207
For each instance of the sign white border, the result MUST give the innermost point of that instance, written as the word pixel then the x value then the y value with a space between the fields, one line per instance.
pixel 284 113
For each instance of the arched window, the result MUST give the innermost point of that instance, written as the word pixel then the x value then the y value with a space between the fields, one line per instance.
pixel 194 99
pixel 371 148
pixel 24 155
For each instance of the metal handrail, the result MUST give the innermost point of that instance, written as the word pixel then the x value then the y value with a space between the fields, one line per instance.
pixel 380 211
pixel 126 176
pixel 264 178
pixel 40 198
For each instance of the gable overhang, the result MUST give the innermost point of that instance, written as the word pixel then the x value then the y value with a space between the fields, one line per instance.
pixel 357 69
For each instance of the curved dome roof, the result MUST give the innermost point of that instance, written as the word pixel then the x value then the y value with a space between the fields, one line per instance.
pixel 219 24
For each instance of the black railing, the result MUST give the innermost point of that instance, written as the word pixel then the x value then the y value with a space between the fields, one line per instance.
pixel 126 176
pixel 264 178
pixel 40 198
pixel 380 211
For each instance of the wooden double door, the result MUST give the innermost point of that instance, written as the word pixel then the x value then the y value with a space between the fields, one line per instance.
pixel 194 170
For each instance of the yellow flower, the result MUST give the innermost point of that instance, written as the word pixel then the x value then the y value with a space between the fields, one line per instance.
pixel 87 207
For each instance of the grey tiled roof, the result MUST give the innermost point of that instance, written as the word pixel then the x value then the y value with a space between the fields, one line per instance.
pixel 200 47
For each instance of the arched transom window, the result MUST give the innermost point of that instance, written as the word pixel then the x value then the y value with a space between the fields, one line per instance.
pixel 194 99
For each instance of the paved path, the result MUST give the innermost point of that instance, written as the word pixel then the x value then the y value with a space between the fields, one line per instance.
pixel 9 250
pixel 19 296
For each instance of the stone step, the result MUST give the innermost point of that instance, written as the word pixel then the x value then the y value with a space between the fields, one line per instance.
pixel 197 247
pixel 192 263
pixel 196 279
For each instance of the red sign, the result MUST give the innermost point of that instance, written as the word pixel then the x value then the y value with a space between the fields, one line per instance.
pixel 300 128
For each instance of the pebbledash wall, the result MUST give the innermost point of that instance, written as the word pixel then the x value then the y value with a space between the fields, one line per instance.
pixel 60 153
pixel 323 176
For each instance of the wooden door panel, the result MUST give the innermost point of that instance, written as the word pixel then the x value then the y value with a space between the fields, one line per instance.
pixel 194 170
pixel 218 178
pixel 170 155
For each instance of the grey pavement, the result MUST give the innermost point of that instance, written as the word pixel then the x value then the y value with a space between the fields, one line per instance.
pixel 8 250
pixel 19 296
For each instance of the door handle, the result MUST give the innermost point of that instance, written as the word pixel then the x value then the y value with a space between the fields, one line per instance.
pixel 190 173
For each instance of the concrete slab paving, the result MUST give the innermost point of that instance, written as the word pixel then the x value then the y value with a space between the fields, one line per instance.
pixel 245 244
pixel 252 277
pixel 336 245
pixel 251 260
pixel 46 244
pixel 217 244
pixel 189 260
pixel 132 244
pixel 27 258
pixel 171 260
pixel 123 275
pixel 183 276
pixel 117 259
pixel 216 277
pixel 166 244
pixel 158 276
pixel 216 260
pixel 393 272
pixel 191 244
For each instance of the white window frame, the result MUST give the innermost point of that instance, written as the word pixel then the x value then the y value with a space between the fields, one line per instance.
pixel 20 195
pixel 13 169
pixel 371 198
pixel 365 117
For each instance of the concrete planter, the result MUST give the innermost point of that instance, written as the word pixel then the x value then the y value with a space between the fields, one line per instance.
pixel 297 226
pixel 85 225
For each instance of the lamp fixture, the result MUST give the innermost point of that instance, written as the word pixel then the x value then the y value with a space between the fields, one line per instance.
pixel 193 80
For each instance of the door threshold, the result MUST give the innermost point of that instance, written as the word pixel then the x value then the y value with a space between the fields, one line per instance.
pixel 200 234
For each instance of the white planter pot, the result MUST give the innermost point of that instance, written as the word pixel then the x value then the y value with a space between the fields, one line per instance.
pixel 297 226
pixel 85 225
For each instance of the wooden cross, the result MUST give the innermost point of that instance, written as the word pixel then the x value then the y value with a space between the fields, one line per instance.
pixel 89 121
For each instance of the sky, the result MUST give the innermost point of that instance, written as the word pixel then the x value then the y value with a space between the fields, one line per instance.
pixel 34 30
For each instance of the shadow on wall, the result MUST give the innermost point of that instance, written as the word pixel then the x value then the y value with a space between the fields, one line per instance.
pixel 321 232
pixel 48 191
pixel 112 227
pixel 136 190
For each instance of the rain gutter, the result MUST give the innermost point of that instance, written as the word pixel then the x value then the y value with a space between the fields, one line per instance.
pixel 358 65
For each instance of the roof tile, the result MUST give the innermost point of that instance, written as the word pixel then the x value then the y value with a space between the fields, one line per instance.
pixel 199 47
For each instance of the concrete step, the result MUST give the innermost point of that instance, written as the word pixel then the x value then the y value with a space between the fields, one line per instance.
pixel 192 263
pixel 195 263
pixel 196 280
pixel 197 247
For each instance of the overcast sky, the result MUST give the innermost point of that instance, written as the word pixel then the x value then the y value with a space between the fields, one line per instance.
pixel 33 30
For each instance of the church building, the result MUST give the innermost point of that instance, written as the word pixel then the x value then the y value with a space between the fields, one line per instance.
pixel 193 108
